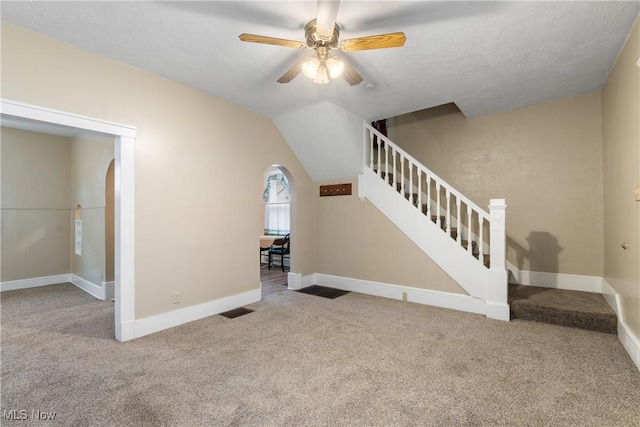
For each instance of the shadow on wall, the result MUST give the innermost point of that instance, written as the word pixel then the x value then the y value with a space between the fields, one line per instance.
pixel 543 252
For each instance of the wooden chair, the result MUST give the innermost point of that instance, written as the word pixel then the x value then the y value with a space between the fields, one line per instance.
pixel 280 247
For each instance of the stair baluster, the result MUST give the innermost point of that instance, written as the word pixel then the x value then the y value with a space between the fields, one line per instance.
pixel 438 222
pixel 480 240
pixel 394 168
pixel 410 181
pixel 371 151
pixel 469 231
pixel 459 230
pixel 379 154
pixel 386 162
pixel 402 174
pixel 428 184
pixel 419 172
pixel 447 215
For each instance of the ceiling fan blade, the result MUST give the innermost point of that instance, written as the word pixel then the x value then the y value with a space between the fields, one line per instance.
pixel 253 38
pixel 350 75
pixel 381 41
pixel 327 15
pixel 292 73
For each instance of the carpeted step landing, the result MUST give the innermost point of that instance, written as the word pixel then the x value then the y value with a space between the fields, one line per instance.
pixel 574 309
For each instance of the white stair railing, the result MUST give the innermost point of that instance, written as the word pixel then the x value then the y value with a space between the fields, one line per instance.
pixel 468 225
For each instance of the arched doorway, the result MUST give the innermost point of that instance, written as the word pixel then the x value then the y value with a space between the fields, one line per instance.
pixel 277 219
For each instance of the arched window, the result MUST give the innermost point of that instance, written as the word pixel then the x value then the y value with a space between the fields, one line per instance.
pixel 277 197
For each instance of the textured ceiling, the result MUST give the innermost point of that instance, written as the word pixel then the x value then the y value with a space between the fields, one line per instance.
pixel 484 56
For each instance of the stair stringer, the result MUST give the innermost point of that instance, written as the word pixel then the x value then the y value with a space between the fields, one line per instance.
pixel 461 266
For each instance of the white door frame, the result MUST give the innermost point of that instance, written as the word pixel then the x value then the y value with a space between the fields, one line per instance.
pixel 124 194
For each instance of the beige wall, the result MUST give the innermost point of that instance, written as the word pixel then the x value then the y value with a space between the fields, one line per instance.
pixel 36 183
pixel 354 239
pixel 545 160
pixel 199 171
pixel 621 141
pixel 90 158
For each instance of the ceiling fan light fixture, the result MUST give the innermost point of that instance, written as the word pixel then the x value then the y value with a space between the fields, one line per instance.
pixel 310 67
pixel 323 75
pixel 335 66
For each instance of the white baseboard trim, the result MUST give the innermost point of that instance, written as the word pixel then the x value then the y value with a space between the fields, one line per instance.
pixel 126 331
pixel 458 302
pixel 34 282
pixel 90 288
pixel 297 281
pixel 498 312
pixel 150 325
pixel 629 340
pixel 569 282
pixel 109 290
pixel 294 281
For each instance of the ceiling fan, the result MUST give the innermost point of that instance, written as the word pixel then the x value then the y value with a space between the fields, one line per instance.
pixel 322 35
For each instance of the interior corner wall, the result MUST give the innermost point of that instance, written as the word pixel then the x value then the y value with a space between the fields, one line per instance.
pixel 35 215
pixel 199 165
pixel 545 160
pixel 90 158
pixel 355 240
pixel 621 142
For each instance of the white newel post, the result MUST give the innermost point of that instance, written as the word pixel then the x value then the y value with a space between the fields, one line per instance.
pixel 497 306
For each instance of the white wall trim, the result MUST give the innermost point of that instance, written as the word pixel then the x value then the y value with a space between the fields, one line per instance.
pixel 449 300
pixel 297 281
pixel 309 280
pixel 294 281
pixel 629 340
pixel 109 290
pixel 150 325
pixel 48 115
pixel 87 286
pixel 125 203
pixel 569 282
pixel 98 291
pixel 34 282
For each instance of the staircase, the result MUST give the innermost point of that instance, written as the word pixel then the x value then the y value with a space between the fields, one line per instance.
pixel 466 241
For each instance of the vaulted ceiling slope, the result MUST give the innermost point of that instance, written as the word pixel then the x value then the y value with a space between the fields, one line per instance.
pixel 484 56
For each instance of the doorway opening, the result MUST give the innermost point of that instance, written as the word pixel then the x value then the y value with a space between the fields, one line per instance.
pixel 278 224
pixel 49 121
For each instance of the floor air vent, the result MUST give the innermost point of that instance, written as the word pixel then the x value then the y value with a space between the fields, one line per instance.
pixel 236 312
pixel 323 291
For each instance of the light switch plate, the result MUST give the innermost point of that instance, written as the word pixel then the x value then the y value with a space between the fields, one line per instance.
pixel 636 191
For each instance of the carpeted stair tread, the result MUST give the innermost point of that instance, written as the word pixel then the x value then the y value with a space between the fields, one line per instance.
pixel 574 309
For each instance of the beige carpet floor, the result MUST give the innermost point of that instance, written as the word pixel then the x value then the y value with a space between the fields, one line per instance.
pixel 304 360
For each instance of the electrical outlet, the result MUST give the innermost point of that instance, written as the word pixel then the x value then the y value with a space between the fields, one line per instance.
pixel 404 296
pixel 177 297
